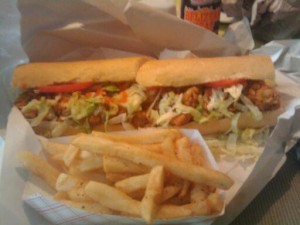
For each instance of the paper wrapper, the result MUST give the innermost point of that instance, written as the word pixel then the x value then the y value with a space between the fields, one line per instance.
pixel 249 178
pixel 36 197
pixel 109 29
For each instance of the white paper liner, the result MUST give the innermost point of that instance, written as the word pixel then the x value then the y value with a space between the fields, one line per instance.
pixel 39 199
pixel 12 185
pixel 60 214
pixel 249 180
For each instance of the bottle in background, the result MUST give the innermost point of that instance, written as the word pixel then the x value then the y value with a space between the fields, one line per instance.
pixel 205 13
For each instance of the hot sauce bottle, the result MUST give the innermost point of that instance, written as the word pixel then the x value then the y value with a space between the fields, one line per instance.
pixel 205 13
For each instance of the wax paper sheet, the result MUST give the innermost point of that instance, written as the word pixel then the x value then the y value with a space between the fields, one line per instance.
pixel 37 196
pixel 78 30
pixel 249 178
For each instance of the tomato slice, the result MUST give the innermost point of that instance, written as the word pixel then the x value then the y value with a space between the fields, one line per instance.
pixel 64 88
pixel 225 83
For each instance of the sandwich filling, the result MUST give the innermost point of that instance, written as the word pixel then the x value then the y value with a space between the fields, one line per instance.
pixel 82 104
pixel 89 104
pixel 201 103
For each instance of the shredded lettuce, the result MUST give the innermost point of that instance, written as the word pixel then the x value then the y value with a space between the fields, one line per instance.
pixel 216 98
pixel 219 104
pixel 43 107
pixel 59 128
pixel 106 118
pixel 167 108
pixel 153 103
pixel 181 108
pixel 166 103
pixel 119 119
pixel 231 143
pixel 164 119
pixel 235 91
pixel 246 143
pixel 234 124
pixel 219 147
pixel 256 113
pixel 82 107
pixel 111 88
pixel 255 136
pixel 153 115
pixel 136 96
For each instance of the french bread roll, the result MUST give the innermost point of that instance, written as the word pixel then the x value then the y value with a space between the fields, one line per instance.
pixel 187 79
pixel 212 127
pixel 246 120
pixel 47 73
pixel 195 71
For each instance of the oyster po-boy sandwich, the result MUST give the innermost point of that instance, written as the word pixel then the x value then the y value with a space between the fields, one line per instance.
pixel 67 97
pixel 209 94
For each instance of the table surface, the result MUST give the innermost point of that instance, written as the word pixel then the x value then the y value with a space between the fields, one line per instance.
pixel 279 202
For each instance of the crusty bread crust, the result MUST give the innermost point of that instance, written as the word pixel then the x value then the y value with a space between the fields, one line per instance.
pixel 113 70
pixel 45 128
pixel 217 126
pixel 184 72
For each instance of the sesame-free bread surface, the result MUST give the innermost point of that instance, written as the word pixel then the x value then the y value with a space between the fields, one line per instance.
pixel 194 71
pixel 47 73
pixel 246 120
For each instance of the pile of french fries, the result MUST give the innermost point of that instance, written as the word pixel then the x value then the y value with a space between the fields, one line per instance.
pixel 155 174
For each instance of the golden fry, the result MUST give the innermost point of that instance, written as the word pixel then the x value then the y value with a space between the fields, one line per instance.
pixel 215 202
pixel 70 154
pixel 65 182
pixel 133 184
pixel 53 148
pixel 78 194
pixel 39 167
pixel 149 136
pixel 115 177
pixel 112 198
pixel 169 192
pixel 118 165
pixel 184 170
pixel 168 147
pixel 91 164
pixel 154 190
pixel 153 174
pixel 198 155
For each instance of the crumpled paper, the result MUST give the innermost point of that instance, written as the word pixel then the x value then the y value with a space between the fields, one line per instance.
pixel 36 195
pixel 269 19
pixel 62 31
pixel 249 178
pixel 41 30
pixel 286 56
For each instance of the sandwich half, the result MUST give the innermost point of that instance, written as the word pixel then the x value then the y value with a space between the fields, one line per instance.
pixel 212 95
pixel 68 97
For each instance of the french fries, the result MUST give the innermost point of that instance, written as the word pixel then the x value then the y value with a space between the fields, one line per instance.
pixel 158 174
pixel 112 198
pixel 154 190
pixel 133 184
pixel 39 167
pixel 155 136
pixel 137 155
pixel 118 165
